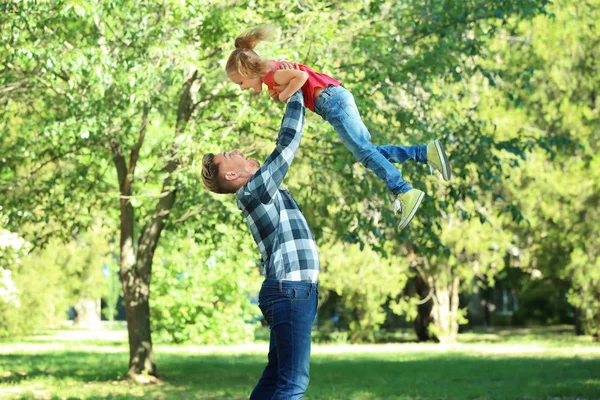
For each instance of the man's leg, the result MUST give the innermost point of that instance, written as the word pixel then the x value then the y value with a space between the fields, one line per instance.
pixel 266 386
pixel 292 331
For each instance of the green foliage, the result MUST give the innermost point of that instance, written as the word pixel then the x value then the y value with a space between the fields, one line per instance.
pixel 12 247
pixel 584 271
pixel 50 280
pixel 203 296
pixel 8 290
pixel 43 297
pixel 364 282
pixel 83 84
pixel 542 300
pixel 9 298
pixel 551 72
pixel 111 291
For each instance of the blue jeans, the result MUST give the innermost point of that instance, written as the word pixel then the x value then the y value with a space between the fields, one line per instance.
pixel 289 308
pixel 336 105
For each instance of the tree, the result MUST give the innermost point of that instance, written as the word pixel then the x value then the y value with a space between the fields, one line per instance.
pixel 550 70
pixel 108 106
pixel 88 86
pixel 201 295
pixel 416 70
pixel 364 281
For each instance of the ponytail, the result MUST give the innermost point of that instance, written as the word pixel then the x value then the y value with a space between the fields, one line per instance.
pixel 244 60
pixel 249 40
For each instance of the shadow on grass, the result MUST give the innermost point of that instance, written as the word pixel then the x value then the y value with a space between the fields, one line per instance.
pixel 346 376
pixel 82 366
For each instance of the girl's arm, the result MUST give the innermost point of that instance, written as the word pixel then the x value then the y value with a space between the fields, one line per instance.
pixel 292 80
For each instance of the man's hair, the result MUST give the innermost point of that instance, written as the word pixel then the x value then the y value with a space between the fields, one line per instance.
pixel 244 59
pixel 211 178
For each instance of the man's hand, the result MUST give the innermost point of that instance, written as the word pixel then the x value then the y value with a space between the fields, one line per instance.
pixel 288 65
pixel 274 94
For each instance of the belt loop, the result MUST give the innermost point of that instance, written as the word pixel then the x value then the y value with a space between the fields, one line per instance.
pixel 280 286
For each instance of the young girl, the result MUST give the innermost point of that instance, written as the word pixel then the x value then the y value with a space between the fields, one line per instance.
pixel 329 99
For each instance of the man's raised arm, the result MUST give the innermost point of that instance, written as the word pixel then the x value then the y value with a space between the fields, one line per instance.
pixel 265 183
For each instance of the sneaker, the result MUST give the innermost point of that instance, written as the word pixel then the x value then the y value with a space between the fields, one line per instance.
pixel 408 203
pixel 436 158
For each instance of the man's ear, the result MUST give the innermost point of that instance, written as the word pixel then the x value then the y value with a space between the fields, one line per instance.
pixel 230 176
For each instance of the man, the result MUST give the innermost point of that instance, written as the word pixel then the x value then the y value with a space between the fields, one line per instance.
pixel 288 296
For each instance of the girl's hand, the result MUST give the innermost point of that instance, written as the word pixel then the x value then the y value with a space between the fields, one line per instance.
pixel 289 79
pixel 278 89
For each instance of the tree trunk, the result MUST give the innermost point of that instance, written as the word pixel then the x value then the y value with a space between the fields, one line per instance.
pixel 88 313
pixel 136 267
pixel 579 331
pixel 424 317
pixel 141 357
pixel 136 285
pixel 445 308
pixel 596 334
pixel 134 279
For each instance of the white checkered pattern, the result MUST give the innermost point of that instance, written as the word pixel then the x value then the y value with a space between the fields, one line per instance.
pixel 287 246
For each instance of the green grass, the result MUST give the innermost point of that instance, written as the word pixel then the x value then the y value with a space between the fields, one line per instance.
pixel 510 364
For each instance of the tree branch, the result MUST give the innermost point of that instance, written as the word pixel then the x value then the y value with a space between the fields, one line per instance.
pixel 186 106
pixel 135 151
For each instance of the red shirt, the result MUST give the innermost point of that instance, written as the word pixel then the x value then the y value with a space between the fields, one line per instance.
pixel 315 80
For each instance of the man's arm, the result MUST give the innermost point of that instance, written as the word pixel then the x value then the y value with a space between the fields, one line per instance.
pixel 266 181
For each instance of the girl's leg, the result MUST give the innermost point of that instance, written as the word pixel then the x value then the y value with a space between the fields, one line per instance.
pixel 336 105
pixel 400 154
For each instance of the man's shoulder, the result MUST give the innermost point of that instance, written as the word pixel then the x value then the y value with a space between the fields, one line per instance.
pixel 245 195
pixel 242 193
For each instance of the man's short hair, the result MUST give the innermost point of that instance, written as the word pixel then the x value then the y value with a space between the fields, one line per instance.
pixel 211 178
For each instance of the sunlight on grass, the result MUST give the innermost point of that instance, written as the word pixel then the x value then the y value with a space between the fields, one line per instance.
pixel 530 365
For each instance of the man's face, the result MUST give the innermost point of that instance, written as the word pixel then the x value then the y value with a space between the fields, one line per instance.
pixel 234 165
pixel 246 83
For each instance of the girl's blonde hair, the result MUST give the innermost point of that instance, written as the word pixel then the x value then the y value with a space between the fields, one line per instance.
pixel 243 60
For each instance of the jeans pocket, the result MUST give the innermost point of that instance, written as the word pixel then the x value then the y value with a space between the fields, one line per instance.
pixel 301 294
pixel 273 295
pixel 267 312
pixel 348 107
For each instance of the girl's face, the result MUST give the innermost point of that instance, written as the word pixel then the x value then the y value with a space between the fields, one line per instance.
pixel 246 83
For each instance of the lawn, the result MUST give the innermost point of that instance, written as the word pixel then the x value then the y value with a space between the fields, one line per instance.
pixel 511 364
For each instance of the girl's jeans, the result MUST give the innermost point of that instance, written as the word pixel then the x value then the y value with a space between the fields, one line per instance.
pixel 290 309
pixel 336 105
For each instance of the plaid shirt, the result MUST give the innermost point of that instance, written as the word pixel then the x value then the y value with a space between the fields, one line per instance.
pixel 287 246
